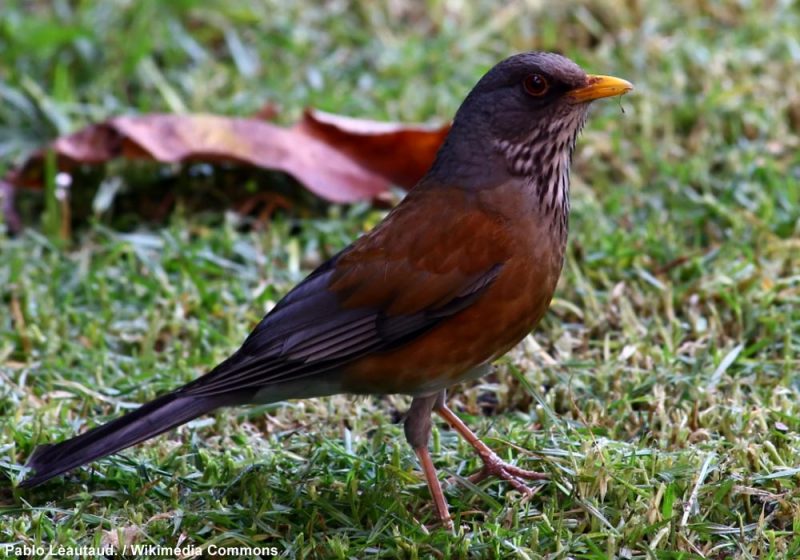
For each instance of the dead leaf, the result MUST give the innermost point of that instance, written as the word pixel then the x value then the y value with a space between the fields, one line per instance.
pixel 210 138
pixel 401 153
pixel 340 159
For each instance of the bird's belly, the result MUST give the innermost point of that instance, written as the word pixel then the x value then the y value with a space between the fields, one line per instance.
pixel 436 383
pixel 455 349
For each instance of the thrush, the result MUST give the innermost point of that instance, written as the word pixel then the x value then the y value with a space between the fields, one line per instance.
pixel 454 276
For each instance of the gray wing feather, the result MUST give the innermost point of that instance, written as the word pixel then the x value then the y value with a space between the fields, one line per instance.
pixel 308 333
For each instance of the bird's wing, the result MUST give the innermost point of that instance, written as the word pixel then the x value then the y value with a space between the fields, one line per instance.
pixel 390 286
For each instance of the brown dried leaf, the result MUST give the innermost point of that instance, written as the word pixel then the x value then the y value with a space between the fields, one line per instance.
pixel 401 153
pixel 180 138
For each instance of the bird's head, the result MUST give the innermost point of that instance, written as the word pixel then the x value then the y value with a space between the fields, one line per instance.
pixel 522 119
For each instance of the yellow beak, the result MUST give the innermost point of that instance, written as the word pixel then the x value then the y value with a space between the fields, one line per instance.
pixel 598 87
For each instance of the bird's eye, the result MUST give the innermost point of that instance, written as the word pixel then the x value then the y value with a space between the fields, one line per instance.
pixel 535 85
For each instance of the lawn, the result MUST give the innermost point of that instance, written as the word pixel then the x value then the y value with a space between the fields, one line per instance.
pixel 661 392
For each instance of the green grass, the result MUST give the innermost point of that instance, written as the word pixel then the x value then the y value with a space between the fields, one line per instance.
pixel 661 391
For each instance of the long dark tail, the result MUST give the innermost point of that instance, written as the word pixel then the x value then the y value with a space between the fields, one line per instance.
pixel 151 419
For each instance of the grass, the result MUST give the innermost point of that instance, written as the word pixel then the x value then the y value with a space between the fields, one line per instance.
pixel 660 392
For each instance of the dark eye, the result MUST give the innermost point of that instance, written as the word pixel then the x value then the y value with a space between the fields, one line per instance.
pixel 535 85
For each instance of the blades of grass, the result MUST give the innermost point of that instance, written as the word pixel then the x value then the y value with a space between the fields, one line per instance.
pixel 691 503
pixel 723 366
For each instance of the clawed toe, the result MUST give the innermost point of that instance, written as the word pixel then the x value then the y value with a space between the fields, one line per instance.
pixel 494 466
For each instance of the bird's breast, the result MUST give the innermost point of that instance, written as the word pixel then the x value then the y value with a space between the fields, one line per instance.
pixel 497 320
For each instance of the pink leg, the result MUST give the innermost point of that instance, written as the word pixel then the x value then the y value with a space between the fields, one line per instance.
pixel 492 464
pixel 434 486
pixel 418 433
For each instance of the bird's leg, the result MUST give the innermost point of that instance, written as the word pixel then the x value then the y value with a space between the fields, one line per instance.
pixel 492 464
pixel 418 432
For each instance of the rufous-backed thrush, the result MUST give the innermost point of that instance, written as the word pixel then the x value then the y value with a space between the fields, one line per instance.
pixel 454 276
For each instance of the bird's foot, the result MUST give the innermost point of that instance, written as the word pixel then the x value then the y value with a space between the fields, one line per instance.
pixel 495 466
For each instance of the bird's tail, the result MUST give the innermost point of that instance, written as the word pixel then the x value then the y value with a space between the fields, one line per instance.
pixel 151 419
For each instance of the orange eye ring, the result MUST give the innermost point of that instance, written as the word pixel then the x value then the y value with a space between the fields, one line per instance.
pixel 535 85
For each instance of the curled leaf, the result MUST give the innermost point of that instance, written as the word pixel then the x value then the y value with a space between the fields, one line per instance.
pixel 401 153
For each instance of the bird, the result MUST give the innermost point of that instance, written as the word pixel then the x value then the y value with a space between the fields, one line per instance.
pixel 454 276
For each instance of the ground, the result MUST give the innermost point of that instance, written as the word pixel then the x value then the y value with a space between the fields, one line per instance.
pixel 660 392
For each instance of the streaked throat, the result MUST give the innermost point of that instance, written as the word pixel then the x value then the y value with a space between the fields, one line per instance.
pixel 543 160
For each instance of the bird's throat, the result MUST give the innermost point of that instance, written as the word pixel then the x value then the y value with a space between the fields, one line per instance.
pixel 541 162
